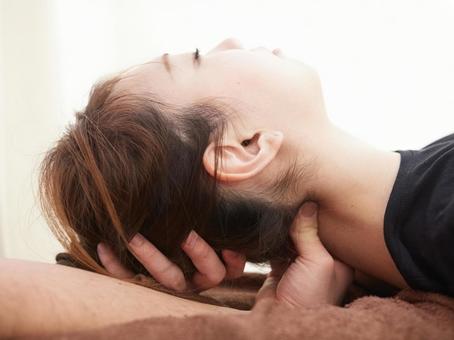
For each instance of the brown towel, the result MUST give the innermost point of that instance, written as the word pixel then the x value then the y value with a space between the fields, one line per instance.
pixel 409 314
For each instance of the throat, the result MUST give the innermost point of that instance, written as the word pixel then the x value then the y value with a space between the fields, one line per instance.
pixel 354 189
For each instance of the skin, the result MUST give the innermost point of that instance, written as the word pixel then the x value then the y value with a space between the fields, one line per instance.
pixel 279 110
pixel 280 113
pixel 313 278
pixel 41 298
pixel 33 293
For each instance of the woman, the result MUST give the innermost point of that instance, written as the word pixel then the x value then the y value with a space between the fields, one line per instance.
pixel 229 145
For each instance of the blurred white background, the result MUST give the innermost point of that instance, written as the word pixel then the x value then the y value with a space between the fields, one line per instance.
pixel 387 69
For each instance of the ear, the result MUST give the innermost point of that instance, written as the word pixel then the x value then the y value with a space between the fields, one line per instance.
pixel 240 160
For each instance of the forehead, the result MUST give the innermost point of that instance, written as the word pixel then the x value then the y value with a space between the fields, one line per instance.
pixel 234 75
pixel 143 78
pixel 166 78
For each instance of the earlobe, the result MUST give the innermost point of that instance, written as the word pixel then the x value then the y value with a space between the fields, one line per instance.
pixel 239 160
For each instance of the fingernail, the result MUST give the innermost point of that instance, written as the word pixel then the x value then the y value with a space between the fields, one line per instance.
pixel 309 209
pixel 190 240
pixel 180 287
pixel 101 249
pixel 137 240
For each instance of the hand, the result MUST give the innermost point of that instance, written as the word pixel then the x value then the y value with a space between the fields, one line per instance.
pixel 211 270
pixel 314 277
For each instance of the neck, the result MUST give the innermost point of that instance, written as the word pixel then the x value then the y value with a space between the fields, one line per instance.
pixel 354 179
pixel 352 185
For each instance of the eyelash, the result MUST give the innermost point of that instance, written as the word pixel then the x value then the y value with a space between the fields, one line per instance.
pixel 196 54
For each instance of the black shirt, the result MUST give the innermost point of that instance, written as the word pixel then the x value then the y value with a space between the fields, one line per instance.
pixel 419 217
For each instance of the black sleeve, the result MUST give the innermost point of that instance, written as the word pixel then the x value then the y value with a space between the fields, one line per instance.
pixel 419 218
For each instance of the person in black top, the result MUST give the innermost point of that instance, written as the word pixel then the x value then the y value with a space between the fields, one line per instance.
pixel 418 224
pixel 383 213
pixel 419 218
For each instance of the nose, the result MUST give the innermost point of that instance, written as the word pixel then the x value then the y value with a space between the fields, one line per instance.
pixel 261 48
pixel 227 44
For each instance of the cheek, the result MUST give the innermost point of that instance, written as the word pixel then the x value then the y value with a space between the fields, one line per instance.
pixel 218 85
pixel 264 84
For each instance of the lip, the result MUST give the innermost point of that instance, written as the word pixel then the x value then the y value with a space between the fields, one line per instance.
pixel 277 52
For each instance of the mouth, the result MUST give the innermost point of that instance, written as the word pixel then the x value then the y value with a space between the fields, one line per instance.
pixel 277 52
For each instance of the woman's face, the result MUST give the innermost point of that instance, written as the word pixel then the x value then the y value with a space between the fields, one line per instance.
pixel 267 89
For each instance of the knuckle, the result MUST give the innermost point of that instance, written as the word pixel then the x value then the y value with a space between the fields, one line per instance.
pixel 297 236
pixel 166 269
pixel 294 233
pixel 147 251
pixel 327 261
pixel 303 234
pixel 217 277
pixel 179 287
pixel 177 281
pixel 202 250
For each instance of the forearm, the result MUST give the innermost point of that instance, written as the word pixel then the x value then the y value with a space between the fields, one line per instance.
pixel 39 298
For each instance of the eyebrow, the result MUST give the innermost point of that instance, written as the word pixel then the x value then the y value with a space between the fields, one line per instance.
pixel 165 61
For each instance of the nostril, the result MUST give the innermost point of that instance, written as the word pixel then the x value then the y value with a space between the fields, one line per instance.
pixel 278 52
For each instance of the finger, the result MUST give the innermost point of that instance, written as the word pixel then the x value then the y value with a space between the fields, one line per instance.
pixel 304 233
pixel 111 262
pixel 235 263
pixel 158 265
pixel 268 288
pixel 211 271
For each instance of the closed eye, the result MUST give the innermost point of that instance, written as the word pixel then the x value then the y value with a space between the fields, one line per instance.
pixel 196 56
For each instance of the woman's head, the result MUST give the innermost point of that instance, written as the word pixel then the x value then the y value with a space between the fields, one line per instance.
pixel 163 153
pixel 270 97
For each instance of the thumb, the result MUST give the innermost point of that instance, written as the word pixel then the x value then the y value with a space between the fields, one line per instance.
pixel 304 232
pixel 267 293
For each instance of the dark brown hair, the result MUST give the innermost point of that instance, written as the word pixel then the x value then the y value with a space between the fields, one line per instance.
pixel 130 163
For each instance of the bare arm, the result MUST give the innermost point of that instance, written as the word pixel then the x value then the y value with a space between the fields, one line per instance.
pixel 39 298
